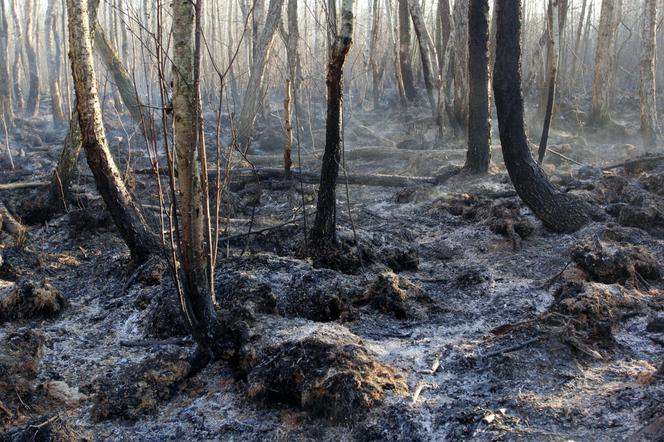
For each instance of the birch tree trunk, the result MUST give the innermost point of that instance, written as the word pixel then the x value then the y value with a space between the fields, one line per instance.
pixel 558 211
pixel 197 290
pixel 324 228
pixel 603 75
pixel 253 96
pixel 53 55
pixel 125 212
pixel 66 166
pixel 6 102
pixel 647 89
pixel 32 104
pixel 479 121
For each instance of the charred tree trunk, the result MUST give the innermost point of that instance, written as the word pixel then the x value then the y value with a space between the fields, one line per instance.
pixel 323 232
pixel 32 105
pixel 6 102
pixel 647 90
pixel 479 120
pixel 558 211
pixel 405 51
pixel 126 213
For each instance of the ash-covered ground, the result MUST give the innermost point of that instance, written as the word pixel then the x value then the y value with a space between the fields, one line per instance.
pixel 448 313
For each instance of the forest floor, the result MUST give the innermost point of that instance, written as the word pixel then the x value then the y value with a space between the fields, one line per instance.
pixel 452 312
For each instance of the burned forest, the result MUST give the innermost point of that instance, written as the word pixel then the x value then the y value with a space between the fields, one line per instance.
pixel 331 220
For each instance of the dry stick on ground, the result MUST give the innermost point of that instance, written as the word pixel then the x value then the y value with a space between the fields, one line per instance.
pixel 639 161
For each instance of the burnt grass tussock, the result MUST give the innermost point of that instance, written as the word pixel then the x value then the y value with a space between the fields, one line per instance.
pixel 444 312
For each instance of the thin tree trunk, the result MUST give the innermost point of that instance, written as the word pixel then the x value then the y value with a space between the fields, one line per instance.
pixel 6 102
pixel 32 105
pixel 577 42
pixel 460 72
pixel 66 166
pixel 376 58
pixel 556 26
pixel 647 89
pixel 288 128
pixel 443 28
pixel 125 212
pixel 254 93
pixel 479 120
pixel 398 77
pixel 558 211
pixel 405 51
pixel 427 54
pixel 197 289
pixel 602 78
pixel 123 82
pixel 50 27
pixel 324 228
pixel 20 63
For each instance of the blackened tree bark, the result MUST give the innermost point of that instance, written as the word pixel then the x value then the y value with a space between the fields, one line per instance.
pixel 558 211
pixel 404 51
pixel 479 121
pixel 323 231
pixel 126 213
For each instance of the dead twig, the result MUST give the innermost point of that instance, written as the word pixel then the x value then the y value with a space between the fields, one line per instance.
pixel 511 348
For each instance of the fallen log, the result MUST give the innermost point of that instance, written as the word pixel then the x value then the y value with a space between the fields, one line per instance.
pixel 365 154
pixel 307 177
pixel 246 175
pixel 23 185
pixel 650 161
